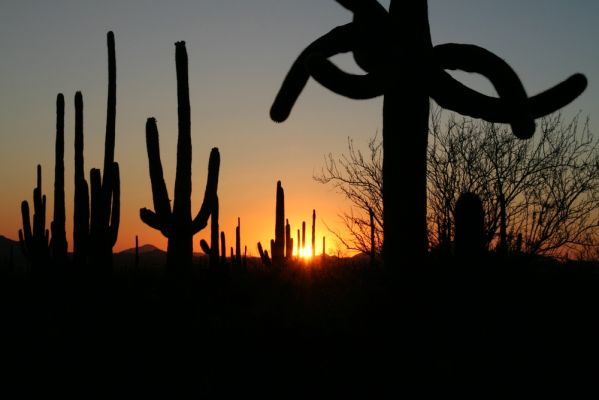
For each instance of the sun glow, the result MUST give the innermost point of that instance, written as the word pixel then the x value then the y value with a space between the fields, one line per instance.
pixel 305 253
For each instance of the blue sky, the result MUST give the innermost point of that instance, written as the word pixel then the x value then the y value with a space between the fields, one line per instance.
pixel 239 52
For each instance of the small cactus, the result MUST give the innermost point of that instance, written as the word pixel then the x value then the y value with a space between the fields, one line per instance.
pixel 469 227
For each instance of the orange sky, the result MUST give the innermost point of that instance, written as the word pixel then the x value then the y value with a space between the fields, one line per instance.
pixel 239 53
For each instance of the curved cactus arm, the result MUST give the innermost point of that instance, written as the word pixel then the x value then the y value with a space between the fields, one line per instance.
pixel 336 41
pixel 359 87
pixel 453 95
pixel 25 234
pixel 205 247
pixel 116 204
pixel 513 105
pixel 362 6
pixel 210 194
pixel 475 59
pixel 150 218
pixel 159 193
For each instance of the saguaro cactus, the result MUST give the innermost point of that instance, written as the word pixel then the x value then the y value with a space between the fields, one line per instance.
pixel 177 224
pixel 278 250
pixel 288 241
pixel 58 242
pixel 97 211
pixel 238 242
pixel 34 242
pixel 313 233
pixel 395 49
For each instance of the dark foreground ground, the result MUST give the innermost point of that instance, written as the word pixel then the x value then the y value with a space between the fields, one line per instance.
pixel 514 326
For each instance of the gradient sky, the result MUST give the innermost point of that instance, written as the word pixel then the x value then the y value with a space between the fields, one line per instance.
pixel 239 52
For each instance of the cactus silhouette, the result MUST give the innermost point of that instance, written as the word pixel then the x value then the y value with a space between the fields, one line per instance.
pixel 263 255
pixel 34 242
pixel 288 241
pixel 58 241
pixel 313 233
pixel 278 250
pixel 212 249
pixel 395 50
pixel 177 224
pixel 469 227
pixel 97 206
pixel 238 242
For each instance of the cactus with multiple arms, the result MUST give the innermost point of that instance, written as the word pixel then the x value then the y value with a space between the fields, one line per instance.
pixel 395 49
pixel 97 206
pixel 177 224
pixel 34 242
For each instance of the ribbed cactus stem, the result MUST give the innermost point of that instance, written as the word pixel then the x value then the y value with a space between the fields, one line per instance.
pixel 298 243
pixel 59 235
pixel 324 252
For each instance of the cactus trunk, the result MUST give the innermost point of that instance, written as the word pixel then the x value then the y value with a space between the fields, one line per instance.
pixel 177 225
pixel 58 243
pixel 313 233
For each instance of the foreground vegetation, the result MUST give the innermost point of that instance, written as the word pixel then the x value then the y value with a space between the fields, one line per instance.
pixel 338 326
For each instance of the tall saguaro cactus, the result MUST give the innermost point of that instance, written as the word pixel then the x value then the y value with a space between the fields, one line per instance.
pixel 58 243
pixel 395 49
pixel 97 206
pixel 278 251
pixel 177 224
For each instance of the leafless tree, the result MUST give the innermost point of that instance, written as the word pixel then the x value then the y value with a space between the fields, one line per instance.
pixel 360 179
pixel 540 196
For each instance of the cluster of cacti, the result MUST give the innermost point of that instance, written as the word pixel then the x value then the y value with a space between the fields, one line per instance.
pixel 35 242
pixel 38 246
pixel 277 245
pixel 97 206
pixel 395 49
pixel 470 240
pixel 177 224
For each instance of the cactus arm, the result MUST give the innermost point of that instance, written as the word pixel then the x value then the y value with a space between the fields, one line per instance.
pixel 150 218
pixel 205 247
pixel 25 234
pixel 159 192
pixel 359 87
pixel 210 194
pixel 113 229
pixel 182 195
pixel 110 107
pixel 513 105
pixel 336 41
pixel 81 202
